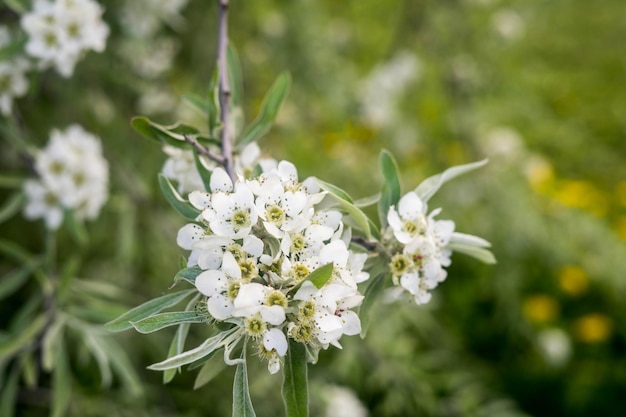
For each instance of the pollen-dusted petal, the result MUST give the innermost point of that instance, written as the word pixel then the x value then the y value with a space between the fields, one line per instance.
pixel 351 323
pixel 211 282
pixel 230 267
pixel 273 314
pixel 249 298
pixel 220 181
pixel 200 200
pixel 274 339
pixel 188 235
pixel 294 202
pixel 306 291
pixel 252 245
pixel 220 306
pixel 287 171
pixel 335 252
pixel 328 322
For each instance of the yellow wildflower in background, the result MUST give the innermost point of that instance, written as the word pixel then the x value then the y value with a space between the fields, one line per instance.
pixel 573 280
pixel 540 308
pixel 593 328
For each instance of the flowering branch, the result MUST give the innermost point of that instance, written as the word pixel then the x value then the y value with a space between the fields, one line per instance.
pixel 224 88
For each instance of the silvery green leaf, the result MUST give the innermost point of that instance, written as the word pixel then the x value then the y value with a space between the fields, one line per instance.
pixel 181 205
pixel 242 403
pixel 390 193
pixel 159 321
pixel 482 254
pixel 431 185
pixel 470 240
pixel 192 355
pixel 147 309
pixel 295 390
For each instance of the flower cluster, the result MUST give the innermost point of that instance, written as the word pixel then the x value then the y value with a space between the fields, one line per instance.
pixel 13 81
pixel 73 175
pixel 261 244
pixel 61 31
pixel 420 247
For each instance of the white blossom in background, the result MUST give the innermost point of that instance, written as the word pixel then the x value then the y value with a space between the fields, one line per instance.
pixel 73 175
pixel 60 32
pixel 180 166
pixel 13 81
pixel 144 18
pixel 343 402
pixel 384 86
pixel 508 23
pixel 256 241
pixel 555 346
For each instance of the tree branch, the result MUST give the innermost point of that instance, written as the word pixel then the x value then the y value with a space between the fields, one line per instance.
pixel 224 88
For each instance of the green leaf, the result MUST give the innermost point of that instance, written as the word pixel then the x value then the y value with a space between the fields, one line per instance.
pixel 22 337
pixel 192 355
pixel 178 341
pixel 61 384
pixel 209 370
pixel 367 201
pixel 160 321
pixel 11 181
pixel 431 185
pixel 242 403
pixel 15 251
pixel 181 205
pixel 173 135
pixel 213 105
pixel 370 296
pixel 123 367
pixel 188 274
pixel 203 171
pixel 390 193
pixel 344 200
pixel 16 5
pixel 50 343
pixel 147 309
pixel 295 390
pixel 269 110
pixel 100 354
pixel 11 206
pixel 235 81
pixel 318 277
pixel 197 102
pixel 8 394
pixel 482 254
pixel 12 281
pixel 77 228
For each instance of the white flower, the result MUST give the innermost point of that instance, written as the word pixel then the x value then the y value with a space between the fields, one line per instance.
pixel 13 82
pixel 43 203
pixel 409 221
pixel 221 287
pixel 233 214
pixel 71 168
pixel 325 313
pixel 256 298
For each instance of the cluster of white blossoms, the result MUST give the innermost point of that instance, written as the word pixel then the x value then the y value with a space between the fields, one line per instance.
pixel 256 242
pixel 73 175
pixel 61 31
pixel 13 81
pixel 419 244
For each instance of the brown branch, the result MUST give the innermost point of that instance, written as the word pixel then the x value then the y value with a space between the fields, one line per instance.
pixel 224 88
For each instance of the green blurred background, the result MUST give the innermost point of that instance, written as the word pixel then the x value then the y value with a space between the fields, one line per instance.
pixel 537 87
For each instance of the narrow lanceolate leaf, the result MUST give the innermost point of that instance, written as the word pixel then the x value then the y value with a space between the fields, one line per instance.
pixel 234 77
pixel 203 170
pixel 209 370
pixel 24 337
pixel 482 254
pixel 12 205
pixel 431 185
pixel 242 404
pixel 390 193
pixel 147 309
pixel 181 205
pixel 473 246
pixel 367 201
pixel 173 135
pixel 295 390
pixel 347 204
pixel 50 343
pixel 192 355
pixel 188 274
pixel 269 110
pixel 371 294
pixel 12 281
pixel 61 384
pixel 159 321
pixel 8 394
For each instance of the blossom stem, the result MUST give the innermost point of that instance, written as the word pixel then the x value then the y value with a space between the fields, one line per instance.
pixel 202 150
pixel 224 88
